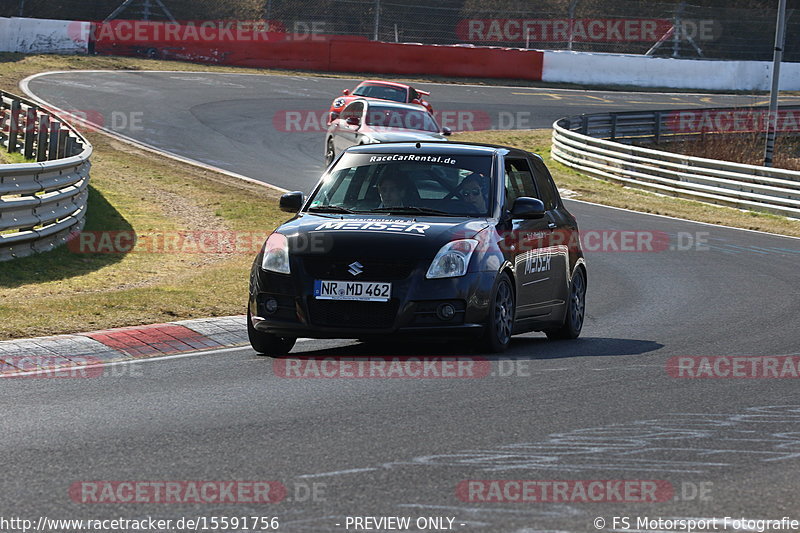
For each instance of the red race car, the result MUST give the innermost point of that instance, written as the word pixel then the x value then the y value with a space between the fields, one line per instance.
pixel 382 90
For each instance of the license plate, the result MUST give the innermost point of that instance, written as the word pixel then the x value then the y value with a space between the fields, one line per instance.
pixel 365 291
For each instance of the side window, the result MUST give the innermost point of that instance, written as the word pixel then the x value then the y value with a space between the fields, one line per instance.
pixel 519 181
pixel 546 187
pixel 353 110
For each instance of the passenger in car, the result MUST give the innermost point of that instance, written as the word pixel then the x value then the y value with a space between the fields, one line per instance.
pixel 474 191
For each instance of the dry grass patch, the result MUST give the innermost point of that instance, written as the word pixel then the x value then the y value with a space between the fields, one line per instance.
pixel 8 159
pixel 745 148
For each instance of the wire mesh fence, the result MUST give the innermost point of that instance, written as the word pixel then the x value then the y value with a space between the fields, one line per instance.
pixel 714 29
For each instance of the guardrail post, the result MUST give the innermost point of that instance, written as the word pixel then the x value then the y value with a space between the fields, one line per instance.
pixel 585 124
pixel 55 132
pixel 657 129
pixel 614 117
pixel 41 142
pixel 69 147
pixel 63 135
pixel 13 126
pixel 30 133
pixel 2 123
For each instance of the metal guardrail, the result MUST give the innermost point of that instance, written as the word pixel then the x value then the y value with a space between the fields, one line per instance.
pixel 597 145
pixel 41 203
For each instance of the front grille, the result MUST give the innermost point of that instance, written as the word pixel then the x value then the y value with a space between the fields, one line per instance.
pixel 373 270
pixel 346 314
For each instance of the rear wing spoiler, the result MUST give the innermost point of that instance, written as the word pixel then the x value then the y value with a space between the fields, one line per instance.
pixel 423 93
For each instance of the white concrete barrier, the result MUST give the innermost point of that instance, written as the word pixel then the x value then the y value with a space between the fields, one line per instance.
pixel 645 71
pixel 5 37
pixel 35 36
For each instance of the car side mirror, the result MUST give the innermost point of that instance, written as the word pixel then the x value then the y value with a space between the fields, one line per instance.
pixel 291 202
pixel 527 207
pixel 353 121
pixel 447 132
pixel 346 92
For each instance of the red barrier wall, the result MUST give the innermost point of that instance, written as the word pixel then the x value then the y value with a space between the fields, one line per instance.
pixel 458 61
pixel 302 55
pixel 317 52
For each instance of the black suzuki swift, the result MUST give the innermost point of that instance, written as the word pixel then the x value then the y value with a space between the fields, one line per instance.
pixel 421 239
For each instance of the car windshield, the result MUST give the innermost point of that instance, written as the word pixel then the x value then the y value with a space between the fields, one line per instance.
pixel 384 92
pixel 397 117
pixel 408 184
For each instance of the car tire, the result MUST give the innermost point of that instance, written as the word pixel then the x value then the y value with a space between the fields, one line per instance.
pixel 576 310
pixel 267 343
pixel 330 153
pixel 502 310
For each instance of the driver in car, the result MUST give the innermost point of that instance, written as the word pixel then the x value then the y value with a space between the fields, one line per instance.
pixel 393 190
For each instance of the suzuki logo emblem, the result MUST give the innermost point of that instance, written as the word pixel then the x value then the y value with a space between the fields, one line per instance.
pixel 356 268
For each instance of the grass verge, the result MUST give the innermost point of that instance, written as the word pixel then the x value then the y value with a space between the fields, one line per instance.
pixel 607 193
pixel 69 290
pixel 8 159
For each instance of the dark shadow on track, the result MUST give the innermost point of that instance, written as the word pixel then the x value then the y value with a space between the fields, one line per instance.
pixel 521 348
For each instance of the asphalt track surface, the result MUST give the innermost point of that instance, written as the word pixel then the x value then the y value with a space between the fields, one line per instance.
pixel 600 408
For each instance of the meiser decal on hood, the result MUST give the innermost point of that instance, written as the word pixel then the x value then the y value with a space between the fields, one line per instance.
pixel 393 226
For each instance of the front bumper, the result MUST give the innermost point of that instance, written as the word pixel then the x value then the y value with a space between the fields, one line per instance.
pixel 411 310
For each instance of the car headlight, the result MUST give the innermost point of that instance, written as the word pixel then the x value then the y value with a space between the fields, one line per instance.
pixel 339 102
pixel 276 254
pixel 452 260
